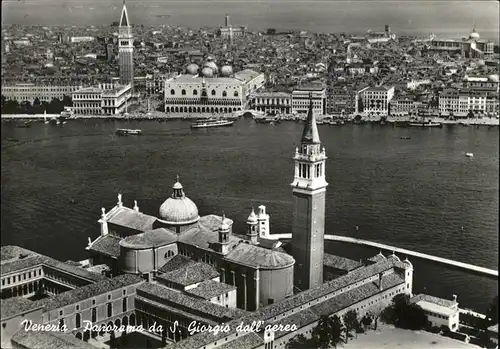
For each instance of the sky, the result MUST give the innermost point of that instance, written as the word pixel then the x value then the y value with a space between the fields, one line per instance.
pixel 445 18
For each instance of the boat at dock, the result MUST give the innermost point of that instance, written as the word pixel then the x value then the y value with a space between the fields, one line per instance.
pixel 469 155
pixel 126 132
pixel 222 122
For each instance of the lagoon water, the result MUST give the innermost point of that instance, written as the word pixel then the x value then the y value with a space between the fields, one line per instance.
pixel 416 193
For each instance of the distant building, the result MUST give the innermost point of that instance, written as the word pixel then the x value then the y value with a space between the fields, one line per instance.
pixel 272 102
pixel 439 311
pixel 126 50
pixel 105 99
pixel 471 47
pixel 80 39
pixel 229 32
pixel 459 103
pixel 376 100
pixel 301 95
pixel 341 101
pixel 208 90
pixel 29 92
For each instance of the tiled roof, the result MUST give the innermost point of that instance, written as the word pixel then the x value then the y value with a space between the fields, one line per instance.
pixel 194 305
pixel 14 306
pixel 11 251
pixel 174 263
pixel 259 257
pixel 209 289
pixel 88 291
pixel 44 340
pixel 340 263
pixel 300 319
pixel 355 295
pixel 108 245
pixel 246 75
pixel 431 299
pixel 32 261
pixel 190 274
pixel 244 340
pixel 130 218
pixel 328 287
pixel 149 239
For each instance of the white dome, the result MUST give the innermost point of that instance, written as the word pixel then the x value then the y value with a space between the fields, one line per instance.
pixel 192 69
pixel 474 35
pixel 207 72
pixel 212 65
pixel 179 209
pixel 252 218
pixel 226 71
pixel 493 77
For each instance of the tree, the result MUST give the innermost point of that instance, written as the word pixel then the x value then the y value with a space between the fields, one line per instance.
pixel 299 342
pixel 36 106
pixel 328 332
pixel 67 101
pixel 366 320
pixel 350 321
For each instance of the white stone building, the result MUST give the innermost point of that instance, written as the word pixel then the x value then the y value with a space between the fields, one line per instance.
pixel 301 102
pixel 439 312
pixel 28 92
pixel 105 99
pixel 376 100
pixel 272 102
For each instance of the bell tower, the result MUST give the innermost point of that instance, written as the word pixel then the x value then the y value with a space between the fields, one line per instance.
pixel 309 191
pixel 126 49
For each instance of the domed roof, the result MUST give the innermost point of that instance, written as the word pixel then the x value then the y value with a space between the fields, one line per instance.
pixel 207 72
pixel 226 70
pixel 212 65
pixel 474 34
pixel 179 209
pixel 252 218
pixel 192 69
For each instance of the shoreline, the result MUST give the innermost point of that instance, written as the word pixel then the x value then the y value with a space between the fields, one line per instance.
pixel 391 120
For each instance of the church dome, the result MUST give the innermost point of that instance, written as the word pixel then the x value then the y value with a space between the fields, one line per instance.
pixel 226 71
pixel 474 35
pixel 207 72
pixel 192 69
pixel 212 65
pixel 252 218
pixel 179 209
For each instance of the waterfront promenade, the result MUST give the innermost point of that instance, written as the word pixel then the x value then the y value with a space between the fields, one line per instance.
pixel 156 115
pixel 402 251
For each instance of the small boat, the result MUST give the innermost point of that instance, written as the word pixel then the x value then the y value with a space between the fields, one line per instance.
pixel 469 155
pixel 266 120
pixel 406 137
pixel 72 201
pixel 126 132
pixel 212 123
pixel 425 124
pixel 336 122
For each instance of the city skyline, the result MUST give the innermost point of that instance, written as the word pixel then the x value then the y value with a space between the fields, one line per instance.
pixel 446 19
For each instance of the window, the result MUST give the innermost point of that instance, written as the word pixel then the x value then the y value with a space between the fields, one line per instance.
pixel 195 92
pixel 93 301
pixel 61 323
pixel 78 320
pixel 94 314
pixel 124 292
pixel 109 297
pixel 110 310
pixel 60 313
pixel 213 92
pixel 183 92
pixel 124 304
pixel 172 92
pixel 224 94
pixel 236 93
pixel 77 307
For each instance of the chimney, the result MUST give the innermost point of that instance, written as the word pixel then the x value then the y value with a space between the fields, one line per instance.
pixel 136 208
pixel 380 282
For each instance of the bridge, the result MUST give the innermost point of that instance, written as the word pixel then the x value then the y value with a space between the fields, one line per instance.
pixel 253 112
pixel 439 260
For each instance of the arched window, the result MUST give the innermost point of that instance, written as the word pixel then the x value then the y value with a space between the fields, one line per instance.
pixel 195 92
pixel 236 93
pixel 213 92
pixel 183 92
pixel 204 93
pixel 172 92
pixel 224 94
pixel 110 310
pixel 78 320
pixel 124 305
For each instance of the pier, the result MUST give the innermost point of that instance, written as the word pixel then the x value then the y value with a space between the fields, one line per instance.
pixel 439 260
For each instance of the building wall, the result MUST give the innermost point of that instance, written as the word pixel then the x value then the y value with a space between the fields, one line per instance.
pixel 307 238
pixel 439 320
pixel 28 92
pixel 276 285
pixel 300 101
pixel 141 261
pixel 11 326
pixel 226 300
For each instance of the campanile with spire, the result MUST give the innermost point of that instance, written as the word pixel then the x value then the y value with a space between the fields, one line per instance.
pixel 309 191
pixel 126 49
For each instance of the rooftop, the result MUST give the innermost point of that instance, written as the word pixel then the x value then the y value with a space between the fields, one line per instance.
pixel 190 274
pixel 149 239
pixel 341 263
pixel 44 340
pixel 176 262
pixel 248 340
pixel 15 305
pixel 108 245
pixel 436 300
pixel 130 218
pixel 435 308
pixel 88 291
pixel 209 289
